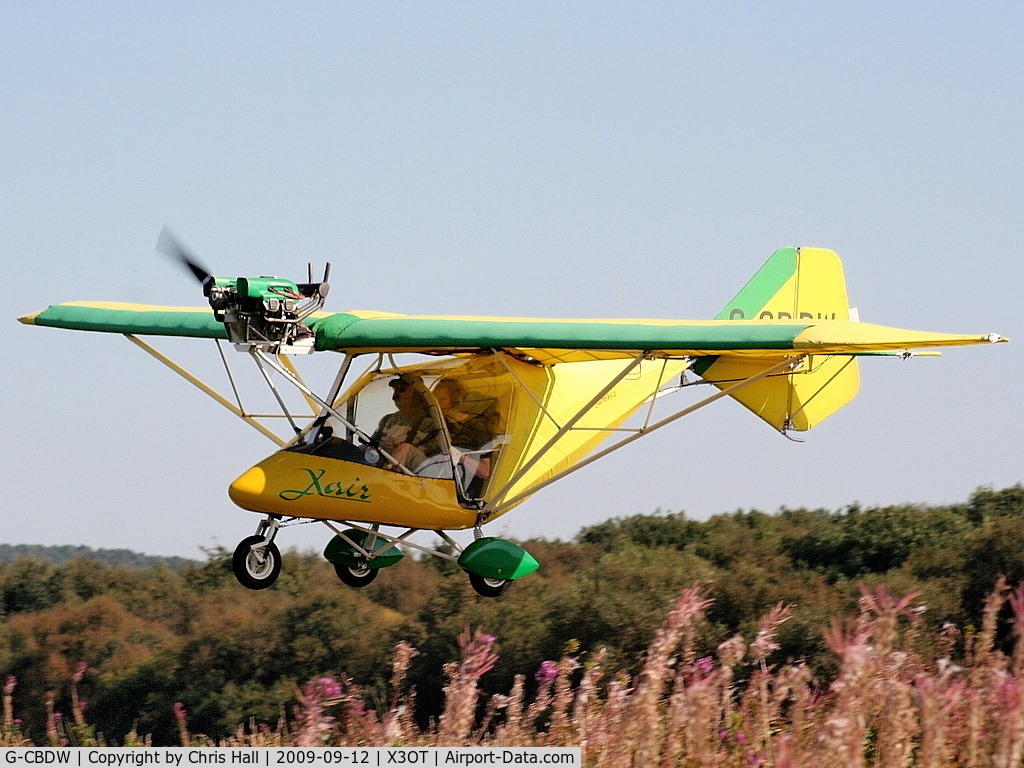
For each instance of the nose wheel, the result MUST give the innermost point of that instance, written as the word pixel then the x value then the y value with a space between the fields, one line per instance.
pixel 257 560
pixel 256 564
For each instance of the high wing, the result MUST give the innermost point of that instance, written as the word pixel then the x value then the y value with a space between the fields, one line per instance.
pixel 559 341
pixel 545 341
pixel 137 319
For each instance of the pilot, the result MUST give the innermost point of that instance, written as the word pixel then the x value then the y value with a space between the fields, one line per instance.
pixel 469 432
pixel 410 434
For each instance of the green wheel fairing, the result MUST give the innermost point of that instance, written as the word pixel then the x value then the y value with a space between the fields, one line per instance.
pixel 340 552
pixel 495 558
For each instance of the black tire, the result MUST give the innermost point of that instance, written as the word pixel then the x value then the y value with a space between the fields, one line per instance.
pixel 488 587
pixel 355 577
pixel 249 571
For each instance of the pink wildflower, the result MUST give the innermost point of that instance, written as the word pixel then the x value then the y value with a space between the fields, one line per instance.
pixel 329 688
pixel 548 671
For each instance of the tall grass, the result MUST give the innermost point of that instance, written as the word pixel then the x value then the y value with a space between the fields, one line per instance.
pixel 900 697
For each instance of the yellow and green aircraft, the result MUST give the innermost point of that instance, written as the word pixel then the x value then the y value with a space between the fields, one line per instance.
pixel 490 410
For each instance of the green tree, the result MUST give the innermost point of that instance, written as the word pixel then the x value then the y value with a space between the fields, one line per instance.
pixel 986 504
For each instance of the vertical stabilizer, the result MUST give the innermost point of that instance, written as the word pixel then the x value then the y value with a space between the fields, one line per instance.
pixel 794 284
pixel 800 286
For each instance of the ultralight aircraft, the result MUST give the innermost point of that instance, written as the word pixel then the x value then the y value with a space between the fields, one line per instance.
pixel 492 409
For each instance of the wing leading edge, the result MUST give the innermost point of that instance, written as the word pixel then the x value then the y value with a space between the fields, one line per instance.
pixel 552 341
pixel 546 341
pixel 140 319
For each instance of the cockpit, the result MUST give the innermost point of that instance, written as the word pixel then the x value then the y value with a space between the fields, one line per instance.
pixel 446 420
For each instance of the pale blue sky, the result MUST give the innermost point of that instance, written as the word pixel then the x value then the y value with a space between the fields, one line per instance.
pixel 548 159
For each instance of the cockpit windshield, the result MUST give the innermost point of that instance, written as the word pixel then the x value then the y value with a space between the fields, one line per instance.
pixel 442 420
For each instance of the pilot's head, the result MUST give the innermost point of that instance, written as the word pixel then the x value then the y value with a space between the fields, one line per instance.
pixel 406 396
pixel 449 393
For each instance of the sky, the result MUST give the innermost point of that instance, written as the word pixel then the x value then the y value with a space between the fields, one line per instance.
pixel 549 159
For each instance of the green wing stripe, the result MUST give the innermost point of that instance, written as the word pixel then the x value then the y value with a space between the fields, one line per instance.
pixel 357 331
pixel 342 332
pixel 128 318
pixel 765 283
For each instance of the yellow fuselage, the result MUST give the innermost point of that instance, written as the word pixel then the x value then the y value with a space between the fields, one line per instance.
pixel 295 484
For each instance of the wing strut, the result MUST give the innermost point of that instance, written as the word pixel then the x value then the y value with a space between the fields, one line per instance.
pixel 256 356
pixel 496 499
pixel 497 503
pixel 246 417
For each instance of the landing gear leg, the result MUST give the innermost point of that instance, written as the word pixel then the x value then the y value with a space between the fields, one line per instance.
pixel 361 574
pixel 257 560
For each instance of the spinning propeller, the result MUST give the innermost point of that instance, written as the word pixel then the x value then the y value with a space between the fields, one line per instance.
pixel 266 312
pixel 170 246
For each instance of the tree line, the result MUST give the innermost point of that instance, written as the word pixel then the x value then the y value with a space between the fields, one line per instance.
pixel 141 641
pixel 61 554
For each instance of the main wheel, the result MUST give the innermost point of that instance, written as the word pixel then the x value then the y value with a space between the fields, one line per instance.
pixel 488 587
pixel 355 577
pixel 256 569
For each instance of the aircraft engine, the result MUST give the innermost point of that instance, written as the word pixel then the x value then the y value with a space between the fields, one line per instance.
pixel 266 312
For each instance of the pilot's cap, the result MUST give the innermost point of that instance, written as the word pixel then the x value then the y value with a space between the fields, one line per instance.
pixel 400 383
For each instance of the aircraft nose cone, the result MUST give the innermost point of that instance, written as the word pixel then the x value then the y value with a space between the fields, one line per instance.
pixel 248 487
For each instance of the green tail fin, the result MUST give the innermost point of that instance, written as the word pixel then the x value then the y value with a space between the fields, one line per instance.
pixel 801 286
pixel 794 284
